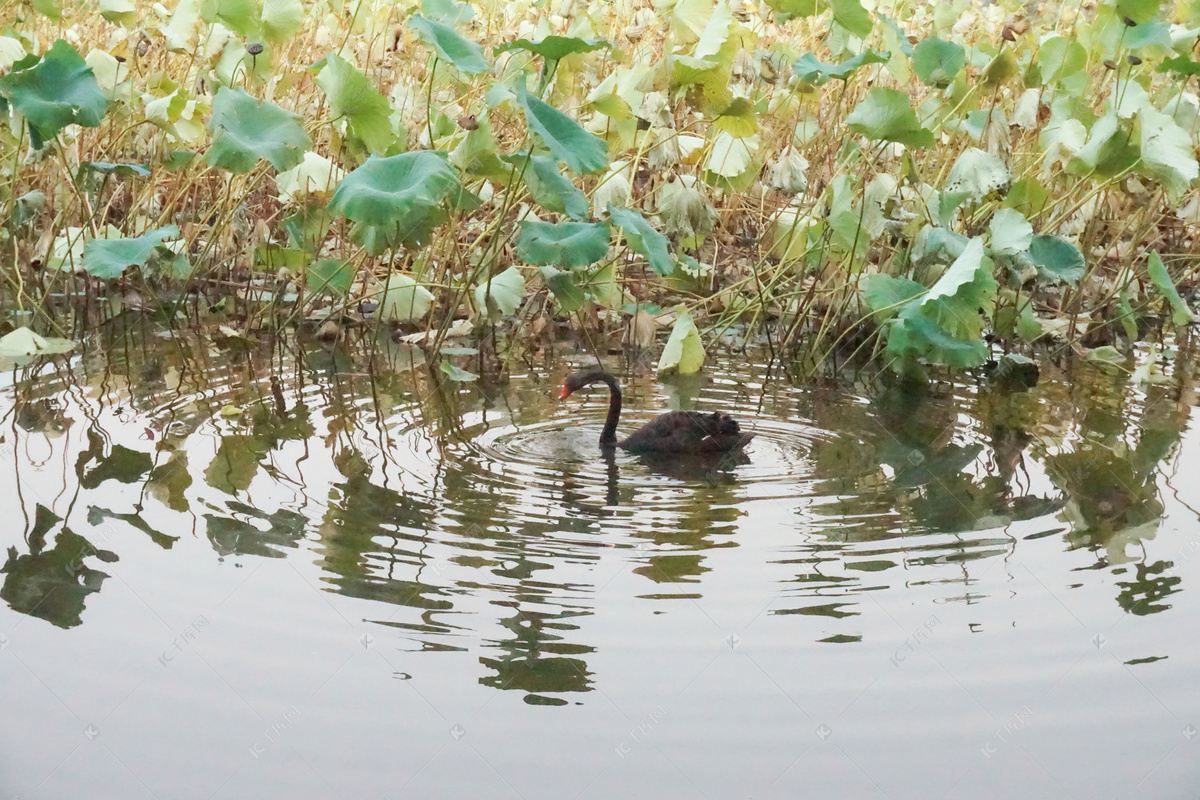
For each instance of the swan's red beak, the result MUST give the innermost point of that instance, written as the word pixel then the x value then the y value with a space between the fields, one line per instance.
pixel 563 394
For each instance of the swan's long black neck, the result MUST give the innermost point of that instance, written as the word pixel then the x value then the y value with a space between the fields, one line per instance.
pixel 608 436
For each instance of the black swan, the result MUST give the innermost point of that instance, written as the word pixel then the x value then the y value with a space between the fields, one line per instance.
pixel 673 432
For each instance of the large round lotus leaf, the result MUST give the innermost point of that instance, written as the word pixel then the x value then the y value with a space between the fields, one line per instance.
pixel 246 130
pixel 54 90
pixel 462 53
pixel 388 191
pixel 562 244
pixel 553 48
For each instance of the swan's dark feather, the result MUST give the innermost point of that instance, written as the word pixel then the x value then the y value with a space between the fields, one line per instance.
pixel 687 432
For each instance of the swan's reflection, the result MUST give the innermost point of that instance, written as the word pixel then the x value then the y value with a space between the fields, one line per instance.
pixel 715 469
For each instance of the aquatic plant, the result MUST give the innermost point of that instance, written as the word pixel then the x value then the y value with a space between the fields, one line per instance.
pixel 936 185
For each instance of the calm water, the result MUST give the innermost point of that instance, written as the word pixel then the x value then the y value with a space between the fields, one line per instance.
pixel 355 580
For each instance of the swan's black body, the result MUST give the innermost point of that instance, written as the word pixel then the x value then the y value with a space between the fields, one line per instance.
pixel 673 432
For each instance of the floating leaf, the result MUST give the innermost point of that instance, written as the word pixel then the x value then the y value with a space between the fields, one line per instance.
pixel 109 258
pixel 1014 372
pixel 567 141
pixel 643 239
pixel 246 130
pixel 562 244
pixel 456 374
pixel 1106 355
pixel 937 62
pixel 466 55
pixel 501 294
pixel 1180 313
pixel 23 342
pixel 1149 372
pixel 885 114
pixel 684 350
pixel 404 300
pixel 54 90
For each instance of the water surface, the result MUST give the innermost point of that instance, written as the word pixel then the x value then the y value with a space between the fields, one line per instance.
pixel 248 571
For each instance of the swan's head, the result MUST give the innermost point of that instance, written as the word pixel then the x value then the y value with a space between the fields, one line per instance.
pixel 578 381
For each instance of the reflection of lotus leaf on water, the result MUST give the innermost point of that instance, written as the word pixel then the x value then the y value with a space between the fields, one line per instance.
pixel 366 520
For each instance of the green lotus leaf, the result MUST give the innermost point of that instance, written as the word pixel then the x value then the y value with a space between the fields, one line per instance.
pixel 1056 259
pixel 563 136
pixel 399 199
pixel 565 286
pixel 109 258
pixel 1180 313
pixel 937 62
pixel 501 294
pixel 352 97
pixel 562 244
pixel 54 90
pixel 450 12
pixel 885 115
pixel 550 188
pixel 466 55
pixel 643 239
pixel 809 69
pixel 851 15
pixel 555 48
pixel 684 351
pixel 246 130
pixel 330 275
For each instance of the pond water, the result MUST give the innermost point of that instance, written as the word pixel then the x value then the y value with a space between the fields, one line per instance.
pixel 245 572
